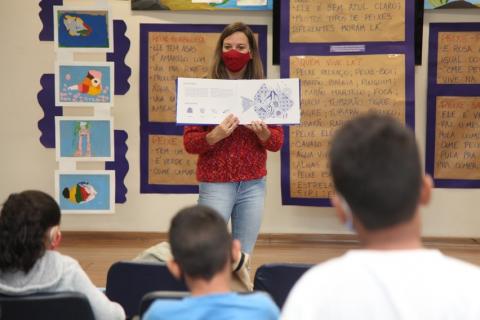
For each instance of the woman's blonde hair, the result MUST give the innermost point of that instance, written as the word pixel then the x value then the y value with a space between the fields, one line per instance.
pixel 254 68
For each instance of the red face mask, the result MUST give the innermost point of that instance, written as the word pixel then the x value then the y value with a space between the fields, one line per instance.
pixel 235 60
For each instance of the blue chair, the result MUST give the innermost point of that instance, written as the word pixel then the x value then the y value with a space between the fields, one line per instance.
pixel 278 279
pixel 51 306
pixel 128 282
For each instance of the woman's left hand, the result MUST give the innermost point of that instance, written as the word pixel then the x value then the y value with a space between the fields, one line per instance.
pixel 261 129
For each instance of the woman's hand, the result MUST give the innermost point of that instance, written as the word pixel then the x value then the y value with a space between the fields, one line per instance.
pixel 223 130
pixel 261 130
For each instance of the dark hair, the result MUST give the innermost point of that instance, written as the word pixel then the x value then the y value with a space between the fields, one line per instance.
pixel 200 241
pixel 375 165
pixel 24 220
pixel 254 68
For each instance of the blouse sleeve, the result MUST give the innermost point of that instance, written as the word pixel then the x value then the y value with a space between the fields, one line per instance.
pixel 275 142
pixel 194 139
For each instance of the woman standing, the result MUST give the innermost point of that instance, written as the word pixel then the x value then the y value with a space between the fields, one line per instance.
pixel 231 165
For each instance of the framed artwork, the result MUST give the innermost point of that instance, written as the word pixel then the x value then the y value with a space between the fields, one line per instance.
pixel 202 4
pixel 85 191
pixel 452 4
pixel 84 84
pixel 84 138
pixel 85 29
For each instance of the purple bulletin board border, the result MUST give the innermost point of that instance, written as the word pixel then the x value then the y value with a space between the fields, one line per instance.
pixel 435 90
pixel 323 49
pixel 145 187
pixel 171 128
pixel 120 165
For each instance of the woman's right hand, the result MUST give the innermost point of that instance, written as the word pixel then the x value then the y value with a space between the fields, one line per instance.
pixel 223 130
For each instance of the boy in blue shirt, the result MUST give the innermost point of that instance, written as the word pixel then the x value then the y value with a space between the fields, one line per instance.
pixel 202 251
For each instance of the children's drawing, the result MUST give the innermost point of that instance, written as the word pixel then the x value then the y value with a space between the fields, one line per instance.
pixel 452 4
pixel 79 193
pixel 83 29
pixel 84 84
pixel 91 84
pixel 82 133
pixel 85 191
pixel 84 138
pixel 269 103
pixel 76 27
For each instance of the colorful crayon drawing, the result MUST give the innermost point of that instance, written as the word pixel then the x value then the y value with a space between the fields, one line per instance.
pixel 202 4
pixel 84 138
pixel 84 84
pixel 85 191
pixel 452 4
pixel 79 193
pixel 83 29
pixel 76 27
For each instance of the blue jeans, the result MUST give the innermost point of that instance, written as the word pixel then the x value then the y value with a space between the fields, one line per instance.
pixel 242 201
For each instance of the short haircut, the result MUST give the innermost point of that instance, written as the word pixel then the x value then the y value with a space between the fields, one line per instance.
pixel 200 241
pixel 24 220
pixel 375 166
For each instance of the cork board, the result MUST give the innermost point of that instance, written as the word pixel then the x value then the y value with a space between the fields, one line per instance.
pixel 327 21
pixel 168 162
pixel 172 55
pixel 457 138
pixel 334 90
pixel 458 58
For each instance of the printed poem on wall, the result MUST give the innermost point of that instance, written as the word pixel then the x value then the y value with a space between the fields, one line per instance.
pixel 334 90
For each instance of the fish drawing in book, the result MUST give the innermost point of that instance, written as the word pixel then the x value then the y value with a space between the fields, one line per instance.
pixel 82 135
pixel 91 84
pixel 79 193
pixel 269 103
pixel 76 27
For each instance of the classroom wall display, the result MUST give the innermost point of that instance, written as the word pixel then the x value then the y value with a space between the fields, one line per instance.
pixel 84 138
pixel 341 80
pixel 85 191
pixel 85 29
pixel 202 4
pixel 169 51
pixel 329 21
pixel 84 84
pixel 452 4
pixel 453 105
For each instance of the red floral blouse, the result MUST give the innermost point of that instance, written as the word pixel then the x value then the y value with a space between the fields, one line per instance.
pixel 239 157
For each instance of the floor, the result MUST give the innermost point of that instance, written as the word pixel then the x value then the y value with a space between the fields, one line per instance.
pixel 96 252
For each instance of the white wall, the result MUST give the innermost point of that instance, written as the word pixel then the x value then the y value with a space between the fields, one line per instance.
pixel 25 163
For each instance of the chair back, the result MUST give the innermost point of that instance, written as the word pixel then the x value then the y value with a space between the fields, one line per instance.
pixel 152 296
pixel 51 306
pixel 128 282
pixel 278 279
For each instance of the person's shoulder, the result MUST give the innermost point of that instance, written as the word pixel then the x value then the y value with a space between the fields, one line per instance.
pixel 260 301
pixel 163 309
pixel 460 266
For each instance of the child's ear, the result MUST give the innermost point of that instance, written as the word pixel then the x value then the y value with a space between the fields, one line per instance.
pixel 174 269
pixel 55 237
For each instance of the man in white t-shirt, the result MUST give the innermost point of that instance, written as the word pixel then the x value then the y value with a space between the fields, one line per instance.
pixel 376 169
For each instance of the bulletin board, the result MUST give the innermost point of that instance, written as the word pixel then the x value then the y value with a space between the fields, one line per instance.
pixel 169 51
pixel 453 105
pixel 355 64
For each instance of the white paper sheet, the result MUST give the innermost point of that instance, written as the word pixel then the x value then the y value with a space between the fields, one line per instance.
pixel 209 101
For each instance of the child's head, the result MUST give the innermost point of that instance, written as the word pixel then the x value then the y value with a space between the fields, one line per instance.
pixel 28 225
pixel 236 47
pixel 200 242
pixel 376 168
